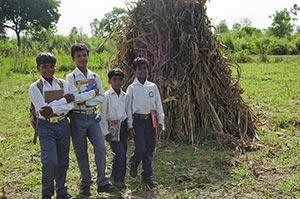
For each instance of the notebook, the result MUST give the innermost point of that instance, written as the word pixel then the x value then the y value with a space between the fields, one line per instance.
pixel 53 95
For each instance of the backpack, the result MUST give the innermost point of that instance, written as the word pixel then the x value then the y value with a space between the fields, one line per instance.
pixel 32 112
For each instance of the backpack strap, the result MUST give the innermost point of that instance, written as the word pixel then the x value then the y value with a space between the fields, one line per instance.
pixel 40 85
pixel 60 83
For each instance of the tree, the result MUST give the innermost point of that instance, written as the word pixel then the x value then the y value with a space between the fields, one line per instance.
pixel 281 25
pixel 294 11
pixel 244 21
pixel 236 26
pixel 222 27
pixel 31 15
pixel 111 22
pixel 251 31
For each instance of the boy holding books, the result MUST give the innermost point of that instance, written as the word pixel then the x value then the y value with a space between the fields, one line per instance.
pixel 52 126
pixel 144 99
pixel 116 120
pixel 88 93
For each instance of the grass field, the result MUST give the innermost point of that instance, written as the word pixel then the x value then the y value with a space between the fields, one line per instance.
pixel 270 170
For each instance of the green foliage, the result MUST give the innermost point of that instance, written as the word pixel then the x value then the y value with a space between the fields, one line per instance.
pixel 222 27
pixel 242 56
pixel 29 15
pixel 236 27
pixel 112 21
pixel 279 47
pixel 281 25
pixel 228 42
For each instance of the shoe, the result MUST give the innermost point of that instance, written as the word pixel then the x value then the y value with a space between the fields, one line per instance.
pixel 133 171
pixel 119 184
pixel 65 196
pixel 149 181
pixel 46 197
pixel 85 191
pixel 108 188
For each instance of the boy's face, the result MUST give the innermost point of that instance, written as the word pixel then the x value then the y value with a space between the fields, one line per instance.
pixel 141 72
pixel 81 59
pixel 47 70
pixel 116 82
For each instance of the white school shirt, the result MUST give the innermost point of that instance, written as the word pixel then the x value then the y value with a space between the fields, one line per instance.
pixel 89 99
pixel 59 107
pixel 115 107
pixel 145 97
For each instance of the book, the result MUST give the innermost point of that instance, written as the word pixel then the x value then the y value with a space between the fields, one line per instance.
pixel 85 85
pixel 53 95
pixel 114 130
pixel 154 117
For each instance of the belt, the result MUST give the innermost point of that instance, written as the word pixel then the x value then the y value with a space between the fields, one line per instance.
pixel 54 119
pixel 142 116
pixel 87 112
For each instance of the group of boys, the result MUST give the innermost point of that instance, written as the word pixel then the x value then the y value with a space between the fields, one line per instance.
pixel 78 99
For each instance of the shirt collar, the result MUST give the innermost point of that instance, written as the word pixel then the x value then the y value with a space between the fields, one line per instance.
pixel 53 80
pixel 113 92
pixel 136 81
pixel 77 72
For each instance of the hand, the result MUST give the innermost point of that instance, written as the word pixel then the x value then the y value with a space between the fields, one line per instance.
pixel 69 98
pixel 131 133
pixel 159 128
pixel 46 111
pixel 96 91
pixel 108 138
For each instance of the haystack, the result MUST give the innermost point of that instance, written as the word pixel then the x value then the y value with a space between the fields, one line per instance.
pixel 201 98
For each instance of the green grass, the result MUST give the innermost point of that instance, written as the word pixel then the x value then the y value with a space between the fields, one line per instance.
pixel 270 170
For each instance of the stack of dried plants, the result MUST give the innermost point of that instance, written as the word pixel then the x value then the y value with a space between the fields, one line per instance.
pixel 201 98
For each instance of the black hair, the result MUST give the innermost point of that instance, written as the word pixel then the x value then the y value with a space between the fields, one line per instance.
pixel 79 47
pixel 115 72
pixel 138 62
pixel 45 58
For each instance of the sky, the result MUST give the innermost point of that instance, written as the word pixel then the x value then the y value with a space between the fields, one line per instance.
pixel 80 13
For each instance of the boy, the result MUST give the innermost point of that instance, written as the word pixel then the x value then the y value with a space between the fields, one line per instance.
pixel 115 109
pixel 88 93
pixel 52 126
pixel 144 96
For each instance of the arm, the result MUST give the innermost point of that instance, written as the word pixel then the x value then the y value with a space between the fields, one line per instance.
pixel 38 100
pixel 104 116
pixel 66 96
pixel 66 103
pixel 79 97
pixel 159 108
pixel 129 110
pixel 99 98
pixel 36 97
pixel 129 116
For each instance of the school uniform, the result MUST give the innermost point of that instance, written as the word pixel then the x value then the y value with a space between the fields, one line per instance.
pixel 54 135
pixel 115 107
pixel 85 124
pixel 143 98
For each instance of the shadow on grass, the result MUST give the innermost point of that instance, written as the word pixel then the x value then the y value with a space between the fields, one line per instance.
pixel 181 169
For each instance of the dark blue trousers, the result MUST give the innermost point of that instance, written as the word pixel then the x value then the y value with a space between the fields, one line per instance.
pixel 55 144
pixel 120 150
pixel 85 127
pixel 144 140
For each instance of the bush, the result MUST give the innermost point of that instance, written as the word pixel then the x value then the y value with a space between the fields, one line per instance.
pixel 279 47
pixel 242 56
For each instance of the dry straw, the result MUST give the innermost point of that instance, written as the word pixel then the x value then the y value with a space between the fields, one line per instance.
pixel 201 98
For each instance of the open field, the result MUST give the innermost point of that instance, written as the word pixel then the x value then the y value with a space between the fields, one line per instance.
pixel 270 170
